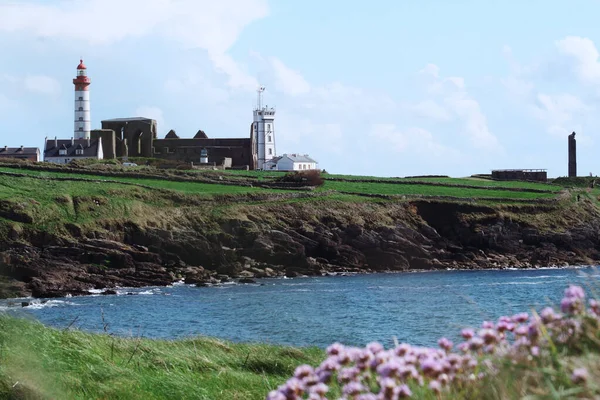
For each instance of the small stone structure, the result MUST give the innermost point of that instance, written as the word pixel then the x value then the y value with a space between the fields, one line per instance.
pixel 538 175
pixel 572 156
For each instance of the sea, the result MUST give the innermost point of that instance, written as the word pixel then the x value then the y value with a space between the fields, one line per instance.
pixel 416 308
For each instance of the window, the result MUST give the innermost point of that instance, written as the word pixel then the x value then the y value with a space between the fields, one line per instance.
pixel 80 128
pixel 62 152
pixel 80 98
pixel 79 152
pixel 269 138
pixel 270 152
pixel 80 108
pixel 268 127
pixel 81 118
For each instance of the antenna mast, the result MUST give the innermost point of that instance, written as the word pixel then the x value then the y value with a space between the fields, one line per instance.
pixel 260 90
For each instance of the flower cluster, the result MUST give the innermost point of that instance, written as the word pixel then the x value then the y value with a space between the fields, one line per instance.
pixel 374 373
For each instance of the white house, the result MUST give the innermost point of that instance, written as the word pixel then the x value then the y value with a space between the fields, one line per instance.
pixel 290 162
pixel 62 151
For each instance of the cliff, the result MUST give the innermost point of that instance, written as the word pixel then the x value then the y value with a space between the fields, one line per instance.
pixel 76 234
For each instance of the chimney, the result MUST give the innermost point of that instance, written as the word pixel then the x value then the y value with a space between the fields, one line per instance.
pixel 55 142
pixel 88 142
pixel 72 141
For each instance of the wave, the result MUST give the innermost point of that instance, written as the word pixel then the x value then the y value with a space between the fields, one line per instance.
pixel 40 304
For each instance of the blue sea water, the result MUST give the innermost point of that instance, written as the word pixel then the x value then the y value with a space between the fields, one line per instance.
pixel 416 308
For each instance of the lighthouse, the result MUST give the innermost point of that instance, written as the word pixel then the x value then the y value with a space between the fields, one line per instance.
pixel 83 124
pixel 264 131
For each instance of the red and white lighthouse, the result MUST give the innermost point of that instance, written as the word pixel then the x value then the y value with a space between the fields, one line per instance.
pixel 83 123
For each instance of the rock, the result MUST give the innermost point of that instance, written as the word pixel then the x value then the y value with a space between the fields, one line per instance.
pixel 109 292
pixel 247 280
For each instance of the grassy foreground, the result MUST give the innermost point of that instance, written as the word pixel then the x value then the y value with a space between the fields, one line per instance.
pixel 37 362
pixel 549 355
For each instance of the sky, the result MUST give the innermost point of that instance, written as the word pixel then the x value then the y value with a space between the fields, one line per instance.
pixel 378 88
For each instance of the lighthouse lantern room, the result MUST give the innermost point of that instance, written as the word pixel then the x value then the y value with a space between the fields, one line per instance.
pixel 83 124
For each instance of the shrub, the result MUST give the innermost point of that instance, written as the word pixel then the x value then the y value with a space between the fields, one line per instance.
pixel 304 178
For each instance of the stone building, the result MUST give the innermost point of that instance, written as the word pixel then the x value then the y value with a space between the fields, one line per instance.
pixel 136 137
pixel 21 153
pixel 63 151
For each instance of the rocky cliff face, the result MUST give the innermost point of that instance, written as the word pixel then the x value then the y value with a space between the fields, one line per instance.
pixel 304 238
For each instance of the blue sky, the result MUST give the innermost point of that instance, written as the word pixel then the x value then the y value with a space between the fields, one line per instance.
pixel 387 88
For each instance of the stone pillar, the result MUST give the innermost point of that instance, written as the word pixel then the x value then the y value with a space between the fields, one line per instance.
pixel 572 156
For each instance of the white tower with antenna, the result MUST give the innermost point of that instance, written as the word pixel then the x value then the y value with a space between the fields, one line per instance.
pixel 263 128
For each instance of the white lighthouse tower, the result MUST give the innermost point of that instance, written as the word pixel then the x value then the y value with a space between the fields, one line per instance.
pixel 83 124
pixel 264 131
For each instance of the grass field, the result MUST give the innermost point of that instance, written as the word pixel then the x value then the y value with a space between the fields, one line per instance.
pixel 427 190
pixel 445 186
pixel 59 364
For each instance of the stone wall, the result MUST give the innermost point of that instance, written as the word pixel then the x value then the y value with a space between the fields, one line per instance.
pixel 240 151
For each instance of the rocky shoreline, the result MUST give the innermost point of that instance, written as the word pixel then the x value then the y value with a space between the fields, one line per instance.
pixel 296 240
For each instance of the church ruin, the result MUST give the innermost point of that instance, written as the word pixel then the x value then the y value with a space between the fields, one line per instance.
pixel 137 137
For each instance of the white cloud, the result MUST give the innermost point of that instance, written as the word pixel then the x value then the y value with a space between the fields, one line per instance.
pixel 412 141
pixel 287 80
pixel 152 113
pixel 585 54
pixel 42 84
pixel 300 134
pixel 559 111
pixel 432 110
pixel 195 24
pixel 192 83
pixel 456 99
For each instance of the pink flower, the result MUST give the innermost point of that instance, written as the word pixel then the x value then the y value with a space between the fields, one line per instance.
pixel 580 375
pixel 548 315
pixel 335 349
pixel 303 371
pixel 595 306
pixel 402 349
pixel 276 395
pixel 574 291
pixel 374 347
pixel 435 386
pixel 521 317
pixel 353 388
pixel 467 333
pixel 321 389
pixel 445 344
pixel 403 392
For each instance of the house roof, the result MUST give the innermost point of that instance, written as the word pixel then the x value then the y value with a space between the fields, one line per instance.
pixel 15 151
pixel 52 150
pixel 131 119
pixel 299 158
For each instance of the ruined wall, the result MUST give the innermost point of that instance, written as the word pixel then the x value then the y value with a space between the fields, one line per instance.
pixel 109 147
pixel 520 175
pixel 188 150
pixel 133 138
